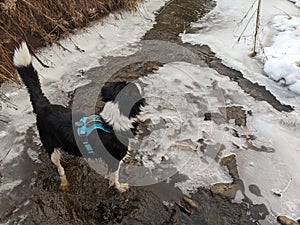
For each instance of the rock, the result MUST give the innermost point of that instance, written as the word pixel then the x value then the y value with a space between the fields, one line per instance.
pixel 231 164
pixel 225 190
pixel 237 113
pixel 286 221
pixel 191 202
pixel 183 209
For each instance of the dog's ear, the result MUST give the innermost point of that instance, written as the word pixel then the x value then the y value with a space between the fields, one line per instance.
pixel 107 93
pixel 110 92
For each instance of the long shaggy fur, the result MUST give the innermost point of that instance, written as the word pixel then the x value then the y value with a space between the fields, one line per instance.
pixel 55 122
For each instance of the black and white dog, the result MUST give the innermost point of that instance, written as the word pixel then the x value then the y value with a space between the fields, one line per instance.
pixel 108 134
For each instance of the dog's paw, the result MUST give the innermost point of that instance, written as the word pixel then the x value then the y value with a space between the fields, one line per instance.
pixel 123 187
pixel 64 184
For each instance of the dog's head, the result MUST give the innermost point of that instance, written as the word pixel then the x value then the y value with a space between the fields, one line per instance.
pixel 123 102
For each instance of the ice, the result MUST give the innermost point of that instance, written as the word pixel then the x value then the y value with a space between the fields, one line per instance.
pixel 271 170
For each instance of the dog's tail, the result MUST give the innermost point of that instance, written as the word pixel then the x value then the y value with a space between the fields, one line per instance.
pixel 23 63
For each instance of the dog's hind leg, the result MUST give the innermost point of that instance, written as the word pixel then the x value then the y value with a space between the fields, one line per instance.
pixel 114 180
pixel 55 158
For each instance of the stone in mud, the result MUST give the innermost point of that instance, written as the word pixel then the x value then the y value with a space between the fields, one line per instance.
pixel 191 202
pixel 237 113
pixel 224 189
pixel 284 220
pixel 231 164
pixel 183 208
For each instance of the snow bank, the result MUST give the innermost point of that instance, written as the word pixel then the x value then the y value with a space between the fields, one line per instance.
pixel 283 56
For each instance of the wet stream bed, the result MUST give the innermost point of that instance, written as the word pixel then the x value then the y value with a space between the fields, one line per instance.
pixel 89 200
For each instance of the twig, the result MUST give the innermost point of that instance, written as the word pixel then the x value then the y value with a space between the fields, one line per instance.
pixel 7 101
pixel 246 26
pixel 5 77
pixel 247 13
pixel 288 15
pixel 40 61
pixel 76 46
pixel 256 29
pixel 280 192
pixel 24 36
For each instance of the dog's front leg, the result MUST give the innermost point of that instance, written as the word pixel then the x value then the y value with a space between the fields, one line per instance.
pixel 55 158
pixel 114 180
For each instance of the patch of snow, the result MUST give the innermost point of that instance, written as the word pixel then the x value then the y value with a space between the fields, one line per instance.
pixel 282 58
pixel 227 19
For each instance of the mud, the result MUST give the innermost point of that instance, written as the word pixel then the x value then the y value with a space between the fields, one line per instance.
pixel 89 200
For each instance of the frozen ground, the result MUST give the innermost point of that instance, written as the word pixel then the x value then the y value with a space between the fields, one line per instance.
pixel 178 95
pixel 220 29
pixel 176 86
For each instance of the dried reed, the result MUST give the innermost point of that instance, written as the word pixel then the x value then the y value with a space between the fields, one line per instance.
pixel 45 22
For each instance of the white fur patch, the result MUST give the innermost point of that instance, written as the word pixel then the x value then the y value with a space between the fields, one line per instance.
pixel 22 56
pixel 139 87
pixel 112 115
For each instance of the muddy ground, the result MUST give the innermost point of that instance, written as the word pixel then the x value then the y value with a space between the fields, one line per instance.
pixel 89 200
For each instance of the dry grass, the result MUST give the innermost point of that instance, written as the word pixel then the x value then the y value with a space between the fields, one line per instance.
pixel 45 22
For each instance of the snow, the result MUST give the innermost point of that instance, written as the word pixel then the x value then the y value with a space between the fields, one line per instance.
pixel 283 56
pixel 228 19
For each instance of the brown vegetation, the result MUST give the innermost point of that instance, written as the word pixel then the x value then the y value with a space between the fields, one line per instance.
pixel 45 21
